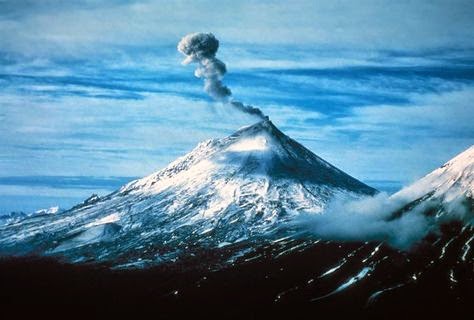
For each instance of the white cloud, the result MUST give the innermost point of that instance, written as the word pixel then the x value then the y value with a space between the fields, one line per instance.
pixel 73 135
pixel 401 142
pixel 71 28
pixel 369 219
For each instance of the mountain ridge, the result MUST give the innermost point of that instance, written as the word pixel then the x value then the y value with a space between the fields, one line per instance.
pixel 447 189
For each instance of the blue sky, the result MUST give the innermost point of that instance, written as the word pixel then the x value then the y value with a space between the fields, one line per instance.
pixel 381 89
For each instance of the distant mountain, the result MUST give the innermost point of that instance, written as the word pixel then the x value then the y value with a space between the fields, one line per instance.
pixel 52 210
pixel 12 217
pixel 16 217
pixel 225 191
pixel 448 189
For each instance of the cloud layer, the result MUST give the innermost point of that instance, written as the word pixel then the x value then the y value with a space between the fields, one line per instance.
pixel 77 109
pixel 40 27
pixel 368 219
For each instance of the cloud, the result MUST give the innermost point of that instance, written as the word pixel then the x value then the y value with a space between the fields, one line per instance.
pixel 428 131
pixel 381 122
pixel 391 141
pixel 72 28
pixel 387 141
pixel 369 219
pixel 84 135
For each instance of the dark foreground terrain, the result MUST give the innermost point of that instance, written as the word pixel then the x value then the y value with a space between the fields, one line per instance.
pixel 317 280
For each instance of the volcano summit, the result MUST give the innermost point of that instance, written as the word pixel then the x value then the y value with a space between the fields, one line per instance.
pixel 239 188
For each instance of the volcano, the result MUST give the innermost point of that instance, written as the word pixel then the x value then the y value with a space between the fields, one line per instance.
pixel 208 236
pixel 225 191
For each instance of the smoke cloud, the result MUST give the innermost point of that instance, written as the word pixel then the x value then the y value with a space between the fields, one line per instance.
pixel 201 48
pixel 369 219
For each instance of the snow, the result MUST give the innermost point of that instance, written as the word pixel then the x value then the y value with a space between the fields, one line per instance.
pixel 114 217
pixel 361 275
pixel 94 234
pixel 332 270
pixel 237 188
pixel 257 143
pixel 377 294
pixel 373 253
pixel 349 282
pixel 52 210
pixel 452 180
pixel 466 248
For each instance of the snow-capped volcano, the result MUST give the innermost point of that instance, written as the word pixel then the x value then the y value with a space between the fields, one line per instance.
pixel 224 191
pixel 253 168
pixel 450 186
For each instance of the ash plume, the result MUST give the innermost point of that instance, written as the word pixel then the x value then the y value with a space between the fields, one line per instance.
pixel 201 48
